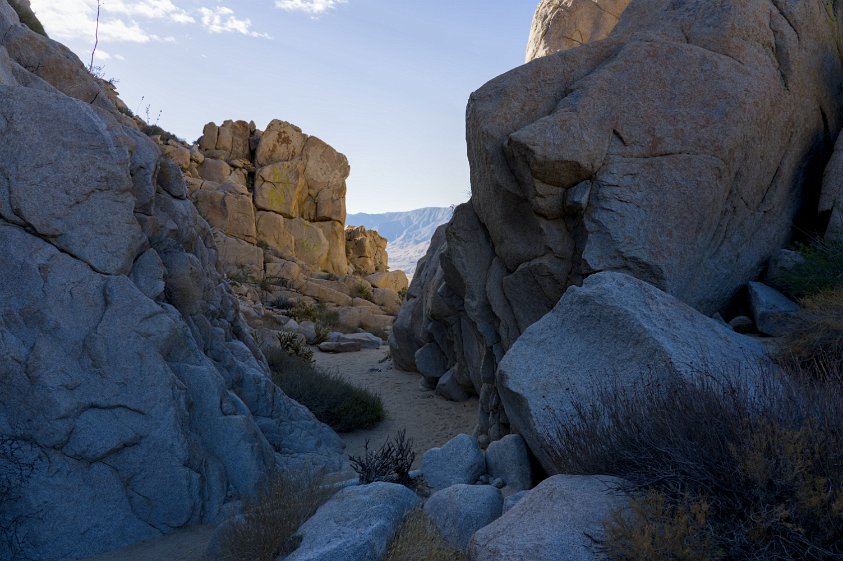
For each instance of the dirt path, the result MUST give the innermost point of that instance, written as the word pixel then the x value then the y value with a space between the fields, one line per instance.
pixel 429 420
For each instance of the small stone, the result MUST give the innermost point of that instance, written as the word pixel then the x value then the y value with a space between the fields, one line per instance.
pixel 742 324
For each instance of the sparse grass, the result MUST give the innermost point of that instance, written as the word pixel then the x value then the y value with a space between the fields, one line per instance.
pixel 28 18
pixel 822 269
pixel 418 539
pixel 329 397
pixel 363 291
pixel 272 516
pixel 318 314
pixel 720 470
pixel 815 345
pixel 155 130
pixel 391 462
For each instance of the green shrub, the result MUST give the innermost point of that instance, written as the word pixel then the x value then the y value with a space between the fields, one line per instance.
pixel 364 291
pixel 329 397
pixel 719 471
pixel 822 269
pixel 418 539
pixel 282 503
pixel 318 314
pixel 391 462
pixel 155 130
pixel 294 345
pixel 27 17
pixel 402 295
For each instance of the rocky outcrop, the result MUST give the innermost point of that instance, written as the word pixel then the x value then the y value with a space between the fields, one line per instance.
pixel 279 187
pixel 611 332
pixel 130 381
pixel 677 150
pixel 565 24
pixel 366 250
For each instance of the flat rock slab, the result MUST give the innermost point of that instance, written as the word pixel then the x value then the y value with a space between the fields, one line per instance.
pixel 356 524
pixel 337 347
pixel 551 522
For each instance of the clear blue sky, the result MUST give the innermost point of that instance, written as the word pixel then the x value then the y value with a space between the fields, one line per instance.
pixel 383 81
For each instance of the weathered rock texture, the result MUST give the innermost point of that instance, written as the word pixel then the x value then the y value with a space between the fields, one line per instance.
pixel 564 24
pixel 129 378
pixel 677 150
pixel 610 333
pixel 275 201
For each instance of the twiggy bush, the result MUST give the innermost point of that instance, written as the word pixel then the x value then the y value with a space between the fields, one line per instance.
pixel 329 397
pixel 271 517
pixel 391 462
pixel 815 346
pixel 755 473
pixel 418 539
pixel 822 269
pixel 294 345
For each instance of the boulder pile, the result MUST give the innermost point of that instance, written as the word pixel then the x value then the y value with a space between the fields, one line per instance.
pixel 679 150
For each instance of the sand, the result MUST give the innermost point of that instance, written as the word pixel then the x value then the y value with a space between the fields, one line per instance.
pixel 428 419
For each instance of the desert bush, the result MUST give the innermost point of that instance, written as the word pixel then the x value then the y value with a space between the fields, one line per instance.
pixel 322 333
pixel 271 517
pixel 418 539
pixel 721 470
pixel 155 130
pixel 391 462
pixel 402 295
pixel 815 344
pixel 822 269
pixel 294 346
pixel 329 397
pixel 364 291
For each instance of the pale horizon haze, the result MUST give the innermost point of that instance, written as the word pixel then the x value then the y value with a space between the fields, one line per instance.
pixel 384 82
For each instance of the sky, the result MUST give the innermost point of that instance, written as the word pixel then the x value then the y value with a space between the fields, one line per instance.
pixel 383 81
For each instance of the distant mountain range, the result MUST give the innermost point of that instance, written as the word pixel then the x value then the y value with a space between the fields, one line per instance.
pixel 408 232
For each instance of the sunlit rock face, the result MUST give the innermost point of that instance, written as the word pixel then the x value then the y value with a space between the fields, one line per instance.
pixel 678 150
pixel 564 24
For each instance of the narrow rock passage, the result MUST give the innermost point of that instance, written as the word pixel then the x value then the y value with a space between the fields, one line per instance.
pixel 429 420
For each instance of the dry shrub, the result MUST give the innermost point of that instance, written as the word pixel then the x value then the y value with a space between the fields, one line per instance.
pixel 815 345
pixel 272 516
pixel 391 462
pixel 418 540
pixel 756 473
pixel 329 397
pixel 653 529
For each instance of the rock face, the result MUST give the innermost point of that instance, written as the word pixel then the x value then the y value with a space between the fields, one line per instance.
pixel 461 510
pixel 831 198
pixel 564 24
pixel 553 521
pixel 408 232
pixel 366 250
pixel 289 192
pixel 129 377
pixel 562 358
pixel 613 157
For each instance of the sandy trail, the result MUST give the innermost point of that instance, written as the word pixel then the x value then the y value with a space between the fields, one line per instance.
pixel 429 420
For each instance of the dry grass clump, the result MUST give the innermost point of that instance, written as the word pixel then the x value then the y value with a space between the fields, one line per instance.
pixel 271 518
pixel 329 397
pixel 719 470
pixel 391 462
pixel 418 540
pixel 815 345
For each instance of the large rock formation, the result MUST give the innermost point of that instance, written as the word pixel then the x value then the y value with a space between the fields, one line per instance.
pixel 564 24
pixel 678 150
pixel 130 382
